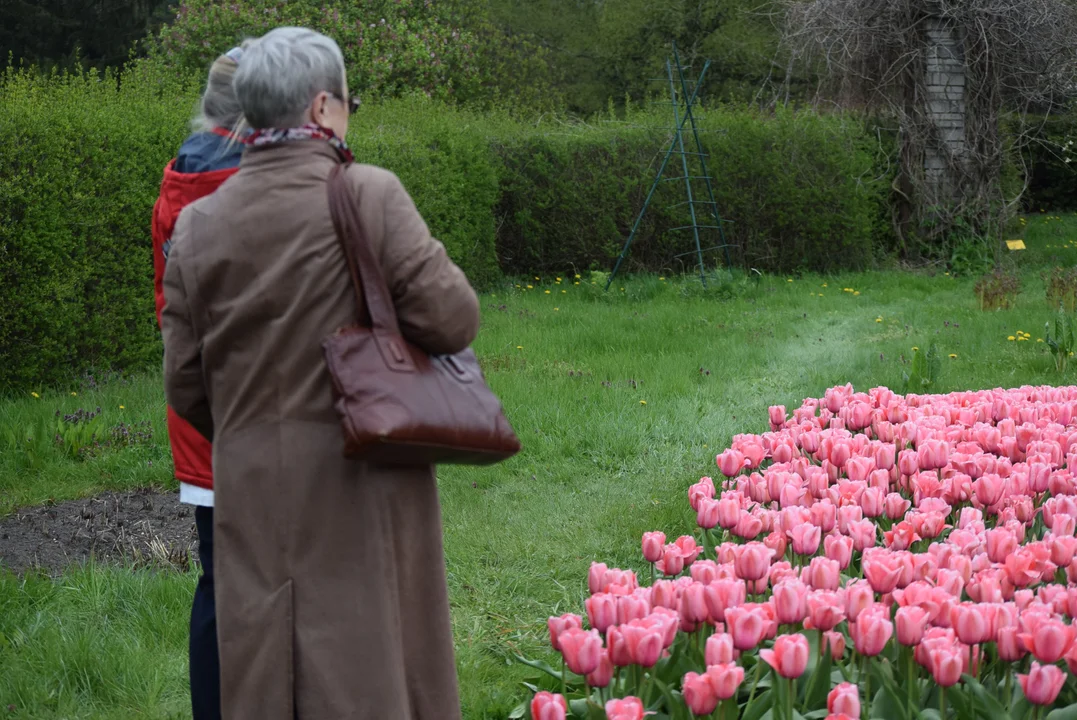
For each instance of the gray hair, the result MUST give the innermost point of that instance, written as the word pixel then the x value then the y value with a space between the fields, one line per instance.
pixel 219 106
pixel 281 73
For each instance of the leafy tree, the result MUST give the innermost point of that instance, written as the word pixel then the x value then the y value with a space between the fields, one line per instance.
pixel 447 49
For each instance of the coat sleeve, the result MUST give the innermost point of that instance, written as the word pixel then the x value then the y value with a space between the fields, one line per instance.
pixel 435 305
pixel 185 388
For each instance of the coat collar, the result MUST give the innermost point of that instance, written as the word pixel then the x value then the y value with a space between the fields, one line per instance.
pixel 290 156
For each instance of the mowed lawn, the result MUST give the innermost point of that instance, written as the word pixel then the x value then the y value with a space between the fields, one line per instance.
pixel 621 399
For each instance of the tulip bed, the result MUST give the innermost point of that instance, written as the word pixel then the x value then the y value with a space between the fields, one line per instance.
pixel 873 555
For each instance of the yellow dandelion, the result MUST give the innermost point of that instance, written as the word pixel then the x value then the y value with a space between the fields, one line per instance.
pixel 517 286
pixel 558 279
pixel 662 279
pixel 35 394
pixel 537 278
pixel 914 348
pixel 856 293
pixel 564 292
pixel 1039 339
pixel 878 319
pixel 547 292
pixel 642 402
pixel 530 287
pixel 577 277
pixel 947 274
pixel 622 289
pixel 1011 338
pixel 556 309
pixel 953 356
pixel 789 280
pixel 824 284
pixel 519 347
pixel 122 407
pixel 74 394
pixel 576 283
pixel 1022 339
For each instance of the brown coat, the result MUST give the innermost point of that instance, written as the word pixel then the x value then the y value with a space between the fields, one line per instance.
pixel 330 576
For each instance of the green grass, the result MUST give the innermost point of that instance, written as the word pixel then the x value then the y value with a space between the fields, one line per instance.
pixel 622 401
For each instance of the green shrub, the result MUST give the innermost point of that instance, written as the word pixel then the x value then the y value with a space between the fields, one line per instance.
pixel 83 165
pixel 79 175
pixel 796 190
pixel 1051 164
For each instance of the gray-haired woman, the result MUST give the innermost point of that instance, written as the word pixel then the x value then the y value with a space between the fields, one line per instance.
pixel 331 591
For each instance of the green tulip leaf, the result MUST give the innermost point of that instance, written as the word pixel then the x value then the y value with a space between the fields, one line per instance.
pixel 539 665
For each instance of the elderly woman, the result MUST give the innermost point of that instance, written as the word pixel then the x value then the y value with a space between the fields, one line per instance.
pixel 331 593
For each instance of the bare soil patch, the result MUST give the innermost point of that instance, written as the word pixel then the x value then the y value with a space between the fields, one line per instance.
pixel 144 527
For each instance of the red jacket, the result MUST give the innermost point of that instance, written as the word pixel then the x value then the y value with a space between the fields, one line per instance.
pixel 214 162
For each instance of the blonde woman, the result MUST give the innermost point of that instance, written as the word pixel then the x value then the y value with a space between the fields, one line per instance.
pixel 205 160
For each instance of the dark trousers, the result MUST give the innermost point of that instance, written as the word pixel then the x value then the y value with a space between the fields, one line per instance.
pixel 205 661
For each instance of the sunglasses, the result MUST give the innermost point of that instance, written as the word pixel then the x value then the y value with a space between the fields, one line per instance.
pixel 352 103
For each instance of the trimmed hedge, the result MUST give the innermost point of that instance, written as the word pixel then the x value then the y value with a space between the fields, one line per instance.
pixel 794 188
pixel 83 159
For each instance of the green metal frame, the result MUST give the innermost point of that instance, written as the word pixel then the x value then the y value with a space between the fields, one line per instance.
pixel 677 147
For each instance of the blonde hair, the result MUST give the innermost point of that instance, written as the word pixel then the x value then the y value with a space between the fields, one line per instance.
pixel 219 106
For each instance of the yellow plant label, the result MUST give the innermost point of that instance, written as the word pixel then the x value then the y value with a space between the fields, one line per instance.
pixel 1015 244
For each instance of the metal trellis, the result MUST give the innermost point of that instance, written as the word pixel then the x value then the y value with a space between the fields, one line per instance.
pixel 677 147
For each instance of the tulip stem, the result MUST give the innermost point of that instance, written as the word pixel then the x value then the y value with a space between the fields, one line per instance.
pixel 755 682
pixel 942 702
pixel 789 699
pixel 912 681
pixel 1009 688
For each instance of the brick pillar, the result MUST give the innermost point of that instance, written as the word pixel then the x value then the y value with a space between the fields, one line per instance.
pixel 945 106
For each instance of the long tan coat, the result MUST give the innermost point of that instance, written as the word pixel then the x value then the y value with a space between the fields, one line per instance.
pixel 331 593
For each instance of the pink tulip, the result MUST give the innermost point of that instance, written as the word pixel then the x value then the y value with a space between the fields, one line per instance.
pixel 789 657
pixel 885 456
pixel 747 626
pixel 857 469
pixel 617 646
pixel 1000 544
pixel 596 577
pixel 730 462
pixel 671 564
pixel 835 643
pixel 689 548
pixel 693 607
pixel 1010 647
pixel 872 502
pixel 871 633
pixel 752 561
pixel 847 516
pixel 699 694
pixel 908 462
pixel 601 611
pixel 603 674
pixel 720 650
pixel 895 506
pixel 882 569
pixel 721 595
pixel 839 548
pixel 911 621
pixel 825 610
pixel 1049 640
pixel 645 642
pixel 901 536
pixel 629 708
pixel 725 678
pixel 1042 684
pixel 844 699
pixel 748 526
pixel 729 512
pixel 664 593
pixel 822 574
pixel 702 490
pixel 666 621
pixel 707 514
pixel 933 454
pixel 581 649
pixel 989 489
pixel 863 533
pixel 947 664
pixel 632 607
pixel 972 623
pixel 704 571
pixel 806 539
pixel 790 598
pixel 548 706
pixel 777 416
pixel 558 625
pixel 653 546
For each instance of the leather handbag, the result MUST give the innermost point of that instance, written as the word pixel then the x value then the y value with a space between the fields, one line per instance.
pixel 398 404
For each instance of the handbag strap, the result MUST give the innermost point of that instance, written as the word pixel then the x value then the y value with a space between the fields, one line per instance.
pixel 367 278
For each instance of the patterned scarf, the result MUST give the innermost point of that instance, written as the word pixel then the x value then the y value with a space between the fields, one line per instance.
pixel 310 131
